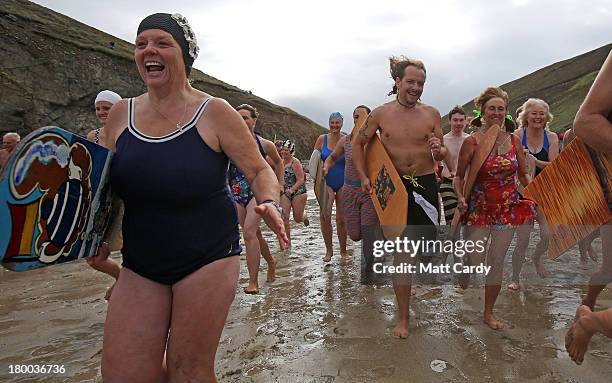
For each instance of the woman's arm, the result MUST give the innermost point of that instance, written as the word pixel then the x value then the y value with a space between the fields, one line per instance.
pixel 319 142
pixel 115 123
pixel 236 141
pixel 523 170
pixel 465 157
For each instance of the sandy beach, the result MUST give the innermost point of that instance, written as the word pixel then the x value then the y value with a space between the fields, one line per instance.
pixel 317 323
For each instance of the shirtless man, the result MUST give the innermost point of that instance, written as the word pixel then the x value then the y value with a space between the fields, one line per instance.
pixel 593 124
pixel 9 143
pixel 412 136
pixel 452 141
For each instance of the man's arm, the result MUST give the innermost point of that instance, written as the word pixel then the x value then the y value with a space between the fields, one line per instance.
pixel 592 122
pixel 436 141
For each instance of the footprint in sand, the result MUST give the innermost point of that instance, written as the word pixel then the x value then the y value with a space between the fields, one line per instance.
pixel 383 372
pixel 438 365
pixel 270 327
pixel 313 336
pixel 253 352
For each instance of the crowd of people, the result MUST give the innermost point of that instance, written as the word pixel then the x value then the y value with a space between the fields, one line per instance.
pixel 174 145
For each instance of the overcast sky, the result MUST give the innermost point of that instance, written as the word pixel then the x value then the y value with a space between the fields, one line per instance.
pixel 321 56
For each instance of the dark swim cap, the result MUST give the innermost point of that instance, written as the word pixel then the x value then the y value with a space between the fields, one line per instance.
pixel 180 30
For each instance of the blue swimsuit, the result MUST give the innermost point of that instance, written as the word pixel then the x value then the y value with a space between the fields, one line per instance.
pixel 335 176
pixel 179 213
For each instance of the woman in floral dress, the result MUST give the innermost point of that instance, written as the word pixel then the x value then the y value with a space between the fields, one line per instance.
pixel 490 200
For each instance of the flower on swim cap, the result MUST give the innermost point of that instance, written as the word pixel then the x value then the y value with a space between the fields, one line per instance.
pixel 177 25
pixel 336 116
pixel 289 145
pixel 108 96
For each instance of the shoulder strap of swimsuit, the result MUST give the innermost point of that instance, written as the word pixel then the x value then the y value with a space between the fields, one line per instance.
pixel 261 149
pixel 524 140
pixel 546 143
pixel 130 111
pixel 97 136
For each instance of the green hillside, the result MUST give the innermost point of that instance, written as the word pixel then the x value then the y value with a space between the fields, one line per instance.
pixel 563 85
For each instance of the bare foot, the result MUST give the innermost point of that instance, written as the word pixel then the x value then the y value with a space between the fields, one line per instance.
pixel 514 286
pixel 494 323
pixel 578 336
pixel 345 254
pixel 400 330
pixel 328 256
pixel 252 288
pixel 588 303
pixel 271 272
pixel 540 268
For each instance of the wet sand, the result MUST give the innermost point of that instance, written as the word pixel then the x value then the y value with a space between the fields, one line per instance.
pixel 317 323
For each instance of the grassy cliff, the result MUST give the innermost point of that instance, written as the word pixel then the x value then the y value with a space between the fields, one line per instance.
pixel 562 85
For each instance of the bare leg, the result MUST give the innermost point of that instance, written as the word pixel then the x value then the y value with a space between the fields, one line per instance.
pixel 286 205
pixel 586 249
pixel 518 256
pixel 132 351
pixel 326 229
pixel 583 249
pixel 500 241
pixel 542 246
pixel 475 257
pixel 298 204
pixel 603 276
pixel 265 253
pixel 402 286
pixel 200 303
pixel 253 255
pixel 340 224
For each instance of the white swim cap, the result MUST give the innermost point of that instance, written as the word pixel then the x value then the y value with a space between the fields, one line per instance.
pixel 108 96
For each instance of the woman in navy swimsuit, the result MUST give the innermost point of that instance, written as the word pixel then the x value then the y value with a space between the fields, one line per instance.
pixel 180 230
pixel 543 145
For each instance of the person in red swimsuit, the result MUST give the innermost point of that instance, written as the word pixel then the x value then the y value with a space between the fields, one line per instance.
pixel 491 205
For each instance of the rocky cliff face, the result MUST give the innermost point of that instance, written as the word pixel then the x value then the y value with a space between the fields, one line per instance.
pixel 52 68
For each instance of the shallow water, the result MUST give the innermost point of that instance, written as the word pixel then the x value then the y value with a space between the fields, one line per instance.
pixel 317 323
